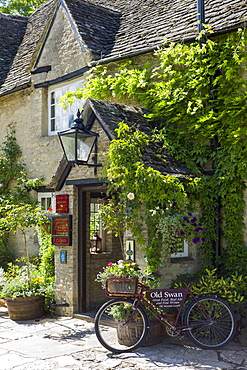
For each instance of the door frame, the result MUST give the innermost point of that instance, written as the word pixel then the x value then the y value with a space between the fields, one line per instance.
pixel 83 228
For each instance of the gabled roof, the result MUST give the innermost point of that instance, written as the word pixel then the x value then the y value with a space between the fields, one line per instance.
pixel 109 115
pixel 145 24
pixel 27 37
pixel 12 30
pixel 113 29
pixel 97 25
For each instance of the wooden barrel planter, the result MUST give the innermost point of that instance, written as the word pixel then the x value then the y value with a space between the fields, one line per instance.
pixel 128 333
pixel 25 308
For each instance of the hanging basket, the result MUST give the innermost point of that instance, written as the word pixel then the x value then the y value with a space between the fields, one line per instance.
pixel 25 308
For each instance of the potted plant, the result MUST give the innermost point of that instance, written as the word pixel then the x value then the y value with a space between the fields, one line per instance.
pixel 125 270
pixel 25 290
pixel 26 285
pixel 119 269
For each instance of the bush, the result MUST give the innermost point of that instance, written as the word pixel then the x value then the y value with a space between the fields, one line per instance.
pixel 233 288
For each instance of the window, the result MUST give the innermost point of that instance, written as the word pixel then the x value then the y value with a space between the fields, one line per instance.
pixel 46 201
pixel 96 226
pixel 95 222
pixel 183 252
pixel 59 118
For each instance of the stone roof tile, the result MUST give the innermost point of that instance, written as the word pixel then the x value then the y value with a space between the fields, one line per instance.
pixel 116 29
pixel 96 25
pixel 110 115
pixel 18 74
pixel 12 30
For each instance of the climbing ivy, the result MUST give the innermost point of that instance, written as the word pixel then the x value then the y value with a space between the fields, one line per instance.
pixel 197 94
pixel 14 193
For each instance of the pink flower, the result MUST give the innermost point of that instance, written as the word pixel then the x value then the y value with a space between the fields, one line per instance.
pixel 110 264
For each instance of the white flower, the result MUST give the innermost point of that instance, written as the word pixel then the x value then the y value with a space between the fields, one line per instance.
pixel 131 196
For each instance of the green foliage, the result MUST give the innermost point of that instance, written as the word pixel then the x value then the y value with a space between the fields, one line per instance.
pixel 46 254
pixel 232 288
pixel 122 311
pixel 20 7
pixel 133 206
pixel 18 211
pixel 197 91
pixel 14 192
pixel 172 229
pixel 24 278
pixel 19 284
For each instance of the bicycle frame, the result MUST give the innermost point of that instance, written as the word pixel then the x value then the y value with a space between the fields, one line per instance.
pixel 140 298
pixel 121 324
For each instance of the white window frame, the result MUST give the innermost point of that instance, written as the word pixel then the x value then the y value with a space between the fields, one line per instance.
pixel 182 253
pixel 46 195
pixel 59 118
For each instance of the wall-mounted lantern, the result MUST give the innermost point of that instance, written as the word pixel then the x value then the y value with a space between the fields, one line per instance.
pixel 77 143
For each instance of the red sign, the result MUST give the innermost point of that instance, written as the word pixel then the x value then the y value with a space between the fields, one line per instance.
pixel 62 230
pixel 62 203
pixel 164 298
pixel 60 226
pixel 56 240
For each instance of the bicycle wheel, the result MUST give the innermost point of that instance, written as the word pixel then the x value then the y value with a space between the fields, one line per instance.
pixel 219 331
pixel 115 327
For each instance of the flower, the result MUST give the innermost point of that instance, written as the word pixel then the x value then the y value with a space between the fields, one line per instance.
pixel 17 282
pixel 131 196
pixel 122 269
pixel 45 216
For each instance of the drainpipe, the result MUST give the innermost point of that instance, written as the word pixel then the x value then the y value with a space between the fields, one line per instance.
pixel 214 140
pixel 200 15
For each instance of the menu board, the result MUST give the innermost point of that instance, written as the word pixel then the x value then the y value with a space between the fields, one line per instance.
pixel 62 230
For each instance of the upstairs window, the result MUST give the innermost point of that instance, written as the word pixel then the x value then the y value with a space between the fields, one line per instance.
pixel 59 118
pixel 46 201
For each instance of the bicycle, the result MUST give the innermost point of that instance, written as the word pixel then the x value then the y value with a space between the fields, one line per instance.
pixel 122 324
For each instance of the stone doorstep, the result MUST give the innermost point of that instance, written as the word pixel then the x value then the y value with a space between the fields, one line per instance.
pixel 87 316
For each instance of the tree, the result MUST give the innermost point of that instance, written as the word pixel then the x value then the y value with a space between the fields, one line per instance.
pixel 20 7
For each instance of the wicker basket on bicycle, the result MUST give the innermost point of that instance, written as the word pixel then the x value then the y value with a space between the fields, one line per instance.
pixel 118 287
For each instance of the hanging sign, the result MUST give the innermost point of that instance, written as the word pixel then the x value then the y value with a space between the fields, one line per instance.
pixel 62 230
pixel 62 203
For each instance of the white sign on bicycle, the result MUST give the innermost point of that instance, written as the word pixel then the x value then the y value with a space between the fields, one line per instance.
pixel 163 298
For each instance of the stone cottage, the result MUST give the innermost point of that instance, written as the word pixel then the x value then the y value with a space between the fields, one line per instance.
pixel 51 52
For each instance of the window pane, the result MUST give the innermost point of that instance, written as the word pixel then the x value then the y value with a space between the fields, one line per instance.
pixel 63 118
pixel 95 224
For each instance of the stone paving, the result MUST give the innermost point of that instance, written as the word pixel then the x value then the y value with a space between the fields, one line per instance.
pixel 70 343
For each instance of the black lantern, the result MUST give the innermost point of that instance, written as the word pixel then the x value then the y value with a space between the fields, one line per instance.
pixel 77 142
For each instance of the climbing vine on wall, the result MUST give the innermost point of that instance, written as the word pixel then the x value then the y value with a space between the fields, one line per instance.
pixel 197 92
pixel 14 190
